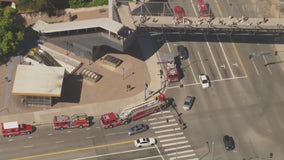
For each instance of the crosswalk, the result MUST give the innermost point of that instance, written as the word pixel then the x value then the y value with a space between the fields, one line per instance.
pixel 170 136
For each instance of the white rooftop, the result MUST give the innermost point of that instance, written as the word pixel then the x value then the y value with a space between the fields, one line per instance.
pixel 10 125
pixel 31 80
pixel 105 23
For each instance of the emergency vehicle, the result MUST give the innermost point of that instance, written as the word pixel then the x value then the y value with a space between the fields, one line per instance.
pixel 203 9
pixel 10 129
pixel 74 121
pixel 127 115
pixel 172 72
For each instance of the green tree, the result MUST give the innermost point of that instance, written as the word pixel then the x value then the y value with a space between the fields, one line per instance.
pixel 11 33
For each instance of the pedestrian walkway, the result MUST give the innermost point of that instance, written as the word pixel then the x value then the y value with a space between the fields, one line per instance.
pixel 125 16
pixel 175 145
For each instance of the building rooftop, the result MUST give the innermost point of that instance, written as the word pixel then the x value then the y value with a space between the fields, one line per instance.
pixel 38 80
pixel 104 23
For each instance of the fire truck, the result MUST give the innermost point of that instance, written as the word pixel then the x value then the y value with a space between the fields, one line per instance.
pixel 75 121
pixel 203 9
pixel 10 129
pixel 110 120
pixel 172 72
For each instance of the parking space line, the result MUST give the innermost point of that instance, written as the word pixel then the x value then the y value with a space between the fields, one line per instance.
pixel 213 57
pixel 172 139
pixel 177 148
pixel 267 66
pixel 201 62
pixel 174 143
pixel 170 135
pixel 167 130
pixel 226 58
pixel 257 72
pixel 164 126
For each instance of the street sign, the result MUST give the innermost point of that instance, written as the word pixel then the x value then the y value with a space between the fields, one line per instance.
pixel 256 55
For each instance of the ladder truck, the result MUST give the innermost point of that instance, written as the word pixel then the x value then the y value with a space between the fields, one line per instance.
pixel 110 120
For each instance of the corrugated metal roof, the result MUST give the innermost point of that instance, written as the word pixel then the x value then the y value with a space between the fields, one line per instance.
pixel 38 80
pixel 105 23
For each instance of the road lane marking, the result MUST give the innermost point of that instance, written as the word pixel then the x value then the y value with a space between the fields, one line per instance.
pixel 267 66
pixel 254 66
pixel 181 152
pixel 170 135
pixel 193 84
pixel 28 146
pixel 192 71
pixel 219 8
pixel 167 130
pixel 164 121
pixel 213 57
pixel 172 139
pixel 115 153
pixel 177 148
pixel 226 58
pixel 115 133
pixel 59 141
pixel 185 156
pixel 164 126
pixel 159 152
pixel 195 12
pixel 174 143
pixel 72 150
pixel 238 57
pixel 201 62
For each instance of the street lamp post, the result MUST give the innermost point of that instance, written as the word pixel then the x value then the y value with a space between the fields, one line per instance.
pixel 122 73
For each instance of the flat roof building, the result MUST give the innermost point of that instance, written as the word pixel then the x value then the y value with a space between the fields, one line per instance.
pixel 38 84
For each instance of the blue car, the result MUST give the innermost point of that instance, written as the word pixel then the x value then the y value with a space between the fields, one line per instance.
pixel 137 129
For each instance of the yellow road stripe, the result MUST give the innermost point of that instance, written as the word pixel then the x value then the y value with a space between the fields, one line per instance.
pixel 219 8
pixel 71 150
pixel 239 58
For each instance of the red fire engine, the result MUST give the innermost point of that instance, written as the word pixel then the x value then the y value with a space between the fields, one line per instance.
pixel 74 121
pixel 203 9
pixel 13 129
pixel 172 72
pixel 127 115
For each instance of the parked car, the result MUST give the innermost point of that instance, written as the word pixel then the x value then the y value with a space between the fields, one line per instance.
pixel 179 11
pixel 137 129
pixel 182 52
pixel 144 142
pixel 229 143
pixel 204 81
pixel 189 100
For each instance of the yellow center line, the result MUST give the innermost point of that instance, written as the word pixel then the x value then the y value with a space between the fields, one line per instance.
pixel 239 58
pixel 71 150
pixel 219 8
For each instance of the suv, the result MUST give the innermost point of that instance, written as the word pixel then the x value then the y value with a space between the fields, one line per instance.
pixel 189 100
pixel 182 52
pixel 229 143
pixel 137 128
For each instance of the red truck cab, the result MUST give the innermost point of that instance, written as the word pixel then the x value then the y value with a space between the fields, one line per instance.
pixel 13 129
pixel 110 120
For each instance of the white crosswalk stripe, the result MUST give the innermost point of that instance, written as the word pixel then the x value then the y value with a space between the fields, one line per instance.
pixel 164 126
pixel 167 130
pixel 177 148
pixel 159 118
pixel 170 137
